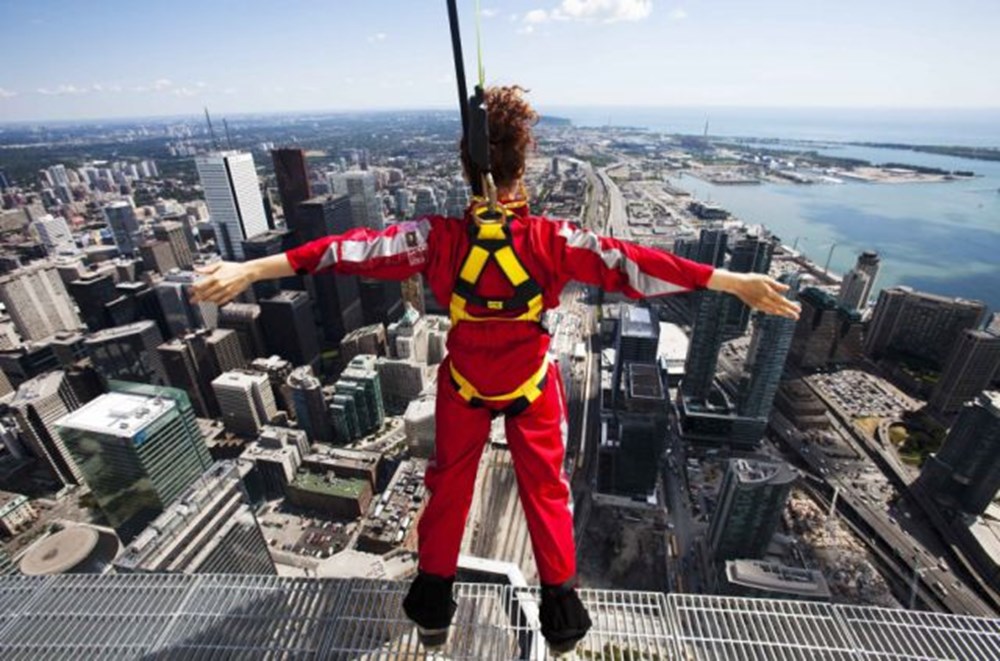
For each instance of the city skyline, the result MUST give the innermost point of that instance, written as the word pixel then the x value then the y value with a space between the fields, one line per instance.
pixel 359 57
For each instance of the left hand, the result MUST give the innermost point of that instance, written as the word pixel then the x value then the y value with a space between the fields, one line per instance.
pixel 758 291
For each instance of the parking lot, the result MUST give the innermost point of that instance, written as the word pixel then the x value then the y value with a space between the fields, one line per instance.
pixel 862 395
pixel 304 532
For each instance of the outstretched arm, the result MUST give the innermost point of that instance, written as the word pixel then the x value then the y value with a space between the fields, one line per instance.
pixel 641 272
pixel 223 281
pixel 395 253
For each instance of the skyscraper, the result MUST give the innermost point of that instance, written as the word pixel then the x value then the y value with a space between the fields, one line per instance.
pixel 38 404
pixel 128 353
pixel 310 405
pixel 458 198
pixel 124 225
pixel 157 256
pixel 360 381
pixel 919 326
pixel 138 447
pixel 965 474
pixel 750 255
pixel 92 293
pixel 338 306
pixel 765 363
pixel 268 244
pixel 971 367
pixel 174 234
pixel 853 288
pixel 209 528
pixel 711 247
pixel 641 431
pixel 278 370
pixel 868 263
pixel 827 332
pixel 359 186
pixel 636 341
pixel 381 300
pixel 37 302
pixel 293 186
pixel 290 328
pixel 706 340
pixel 141 303
pixel 181 315
pixel 244 318
pixel 246 401
pixel 192 362
pixel 55 234
pixel 425 202
pixel 751 501
pixel 232 194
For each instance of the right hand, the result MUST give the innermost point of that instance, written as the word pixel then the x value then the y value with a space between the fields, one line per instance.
pixel 222 282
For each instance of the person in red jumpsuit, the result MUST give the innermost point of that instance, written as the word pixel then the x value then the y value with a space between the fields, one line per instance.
pixel 497 279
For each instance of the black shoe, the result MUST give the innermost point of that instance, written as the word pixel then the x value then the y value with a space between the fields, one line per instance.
pixel 430 606
pixel 563 616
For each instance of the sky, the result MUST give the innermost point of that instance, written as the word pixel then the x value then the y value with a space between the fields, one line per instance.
pixel 84 59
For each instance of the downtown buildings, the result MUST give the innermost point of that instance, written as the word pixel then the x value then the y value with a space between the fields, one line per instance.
pixel 229 179
pixel 137 447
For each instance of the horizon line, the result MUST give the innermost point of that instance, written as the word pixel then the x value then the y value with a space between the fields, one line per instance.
pixel 540 107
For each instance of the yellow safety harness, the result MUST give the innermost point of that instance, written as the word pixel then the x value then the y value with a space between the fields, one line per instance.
pixel 520 398
pixel 490 238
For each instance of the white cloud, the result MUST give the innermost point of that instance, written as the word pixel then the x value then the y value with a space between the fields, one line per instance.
pixel 606 11
pixel 377 37
pixel 183 91
pixel 7 94
pixel 536 16
pixel 62 90
pixel 526 29
pixel 678 15
pixel 201 83
pixel 489 12
pixel 229 90
pixel 349 80
pixel 161 84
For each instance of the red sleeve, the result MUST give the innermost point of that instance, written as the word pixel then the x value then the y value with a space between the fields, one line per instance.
pixel 395 253
pixel 620 266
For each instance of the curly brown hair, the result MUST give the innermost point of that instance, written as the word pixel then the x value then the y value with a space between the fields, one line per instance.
pixel 510 120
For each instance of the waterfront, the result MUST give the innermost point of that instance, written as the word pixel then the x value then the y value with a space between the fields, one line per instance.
pixel 938 237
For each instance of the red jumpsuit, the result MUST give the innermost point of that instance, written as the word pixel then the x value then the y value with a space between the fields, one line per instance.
pixel 497 357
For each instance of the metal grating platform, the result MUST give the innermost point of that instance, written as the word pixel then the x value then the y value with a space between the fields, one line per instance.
pixel 172 616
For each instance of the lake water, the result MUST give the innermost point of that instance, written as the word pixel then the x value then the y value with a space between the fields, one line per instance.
pixel 938 237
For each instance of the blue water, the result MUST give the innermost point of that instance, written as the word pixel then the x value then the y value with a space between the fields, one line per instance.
pixel 938 237
pixel 977 128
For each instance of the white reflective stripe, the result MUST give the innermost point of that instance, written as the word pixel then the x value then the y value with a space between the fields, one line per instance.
pixel 411 237
pixel 644 283
pixel 329 256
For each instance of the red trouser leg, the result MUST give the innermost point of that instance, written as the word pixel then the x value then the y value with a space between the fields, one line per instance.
pixel 536 438
pixel 460 435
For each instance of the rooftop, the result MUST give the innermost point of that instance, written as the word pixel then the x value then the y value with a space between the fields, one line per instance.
pixel 332 486
pixel 176 616
pixel 777 578
pixel 118 414
pixel 755 471
pixel 119 331
pixel 59 552
pixel 637 322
